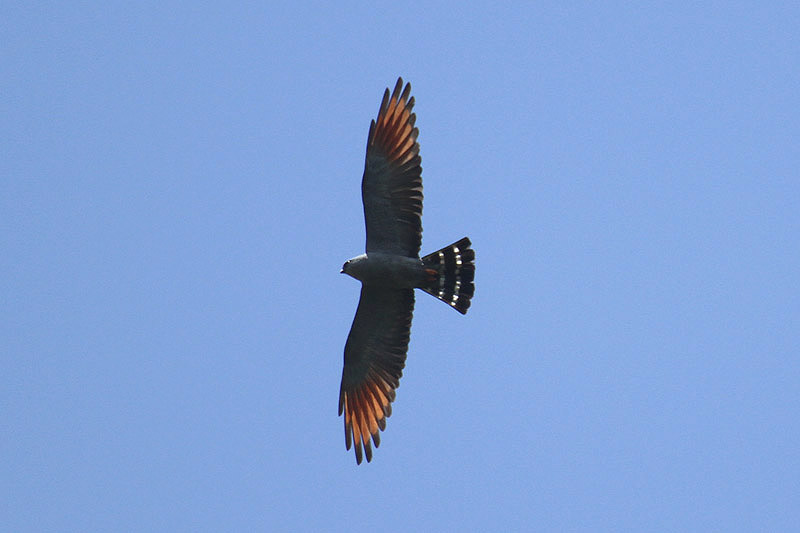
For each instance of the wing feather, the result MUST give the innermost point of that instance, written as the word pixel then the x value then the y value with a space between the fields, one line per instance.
pixel 374 358
pixel 391 188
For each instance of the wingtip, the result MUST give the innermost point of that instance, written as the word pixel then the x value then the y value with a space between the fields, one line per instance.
pixel 359 454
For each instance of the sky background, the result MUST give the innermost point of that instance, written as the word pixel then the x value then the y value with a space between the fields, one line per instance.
pixel 180 185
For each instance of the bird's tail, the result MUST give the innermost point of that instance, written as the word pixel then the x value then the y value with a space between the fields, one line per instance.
pixel 452 272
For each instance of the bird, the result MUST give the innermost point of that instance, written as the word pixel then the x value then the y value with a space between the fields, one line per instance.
pixel 390 270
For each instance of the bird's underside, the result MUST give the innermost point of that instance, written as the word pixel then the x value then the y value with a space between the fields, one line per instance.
pixel 375 352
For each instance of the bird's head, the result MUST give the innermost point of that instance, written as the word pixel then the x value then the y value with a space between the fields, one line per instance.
pixel 355 266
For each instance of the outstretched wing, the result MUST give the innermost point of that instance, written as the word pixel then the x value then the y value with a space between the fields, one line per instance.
pixel 374 357
pixel 391 188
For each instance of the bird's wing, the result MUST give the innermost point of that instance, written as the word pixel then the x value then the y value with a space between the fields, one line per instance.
pixel 374 357
pixel 391 188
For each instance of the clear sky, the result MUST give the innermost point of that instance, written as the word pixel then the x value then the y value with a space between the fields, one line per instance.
pixel 180 185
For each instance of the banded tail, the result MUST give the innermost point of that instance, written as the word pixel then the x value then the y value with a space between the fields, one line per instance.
pixel 454 268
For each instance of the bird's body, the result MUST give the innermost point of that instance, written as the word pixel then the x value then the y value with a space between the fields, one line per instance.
pixel 387 270
pixel 390 270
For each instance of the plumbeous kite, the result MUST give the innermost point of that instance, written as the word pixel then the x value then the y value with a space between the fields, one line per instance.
pixel 391 191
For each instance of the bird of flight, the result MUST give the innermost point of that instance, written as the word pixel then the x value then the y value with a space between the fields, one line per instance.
pixel 391 191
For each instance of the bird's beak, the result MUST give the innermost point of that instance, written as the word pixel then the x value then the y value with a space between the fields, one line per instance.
pixel 341 271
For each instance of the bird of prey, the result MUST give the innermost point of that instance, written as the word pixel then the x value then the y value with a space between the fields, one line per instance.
pixel 391 191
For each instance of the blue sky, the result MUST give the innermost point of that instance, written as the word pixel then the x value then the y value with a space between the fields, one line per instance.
pixel 180 184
